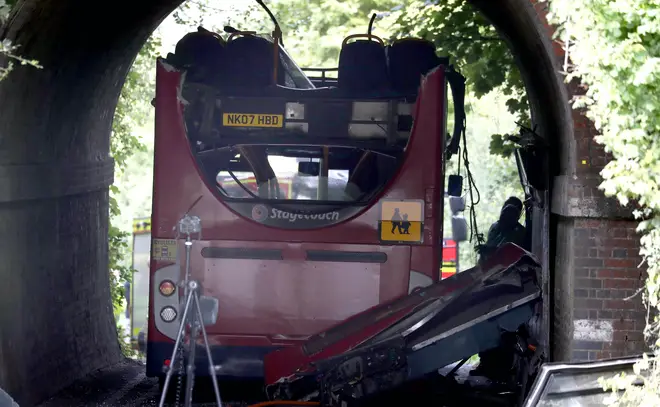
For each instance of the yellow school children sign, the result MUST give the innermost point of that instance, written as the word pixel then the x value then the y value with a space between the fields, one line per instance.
pixel 401 221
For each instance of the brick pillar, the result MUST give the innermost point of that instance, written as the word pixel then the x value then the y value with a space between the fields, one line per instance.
pixel 596 251
pixel 596 263
pixel 594 274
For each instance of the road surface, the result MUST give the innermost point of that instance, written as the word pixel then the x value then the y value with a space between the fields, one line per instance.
pixel 125 385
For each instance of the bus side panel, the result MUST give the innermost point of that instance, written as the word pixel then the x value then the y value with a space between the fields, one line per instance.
pixel 301 293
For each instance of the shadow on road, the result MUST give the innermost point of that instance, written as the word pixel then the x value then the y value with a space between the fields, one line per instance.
pixel 125 385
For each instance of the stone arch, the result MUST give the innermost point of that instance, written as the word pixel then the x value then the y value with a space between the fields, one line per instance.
pixel 55 123
pixel 524 26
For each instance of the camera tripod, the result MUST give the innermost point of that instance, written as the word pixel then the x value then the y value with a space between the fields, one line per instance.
pixel 192 317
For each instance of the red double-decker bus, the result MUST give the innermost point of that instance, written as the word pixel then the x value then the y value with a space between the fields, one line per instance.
pixel 316 203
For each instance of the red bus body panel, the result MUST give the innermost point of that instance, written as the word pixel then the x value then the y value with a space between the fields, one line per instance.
pixel 285 363
pixel 273 303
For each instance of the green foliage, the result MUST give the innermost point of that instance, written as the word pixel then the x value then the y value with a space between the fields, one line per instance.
pixel 118 248
pixel 125 343
pixel 136 181
pixel 7 49
pixel 642 388
pixel 5 8
pixel 325 24
pixel 134 105
pixel 496 176
pixel 313 30
pixel 614 50
pixel 499 145
pixel 133 111
pixel 474 46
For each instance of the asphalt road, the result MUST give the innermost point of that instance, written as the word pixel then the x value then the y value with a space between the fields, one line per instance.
pixel 125 385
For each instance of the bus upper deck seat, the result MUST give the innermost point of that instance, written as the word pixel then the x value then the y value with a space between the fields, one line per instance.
pixel 244 61
pixel 249 62
pixel 408 60
pixel 201 54
pixel 363 65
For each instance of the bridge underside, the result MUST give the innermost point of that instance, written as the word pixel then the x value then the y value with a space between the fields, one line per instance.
pixel 56 319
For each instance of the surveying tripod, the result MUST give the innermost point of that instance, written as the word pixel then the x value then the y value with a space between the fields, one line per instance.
pixel 194 319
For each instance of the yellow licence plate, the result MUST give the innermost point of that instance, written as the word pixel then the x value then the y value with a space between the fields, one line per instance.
pixel 252 120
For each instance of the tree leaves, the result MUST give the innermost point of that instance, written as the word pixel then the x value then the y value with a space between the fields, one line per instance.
pixel 461 32
pixel 132 111
pixel 7 49
pixel 5 8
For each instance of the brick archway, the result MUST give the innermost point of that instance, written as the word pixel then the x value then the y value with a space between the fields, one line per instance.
pixel 592 244
pixel 56 322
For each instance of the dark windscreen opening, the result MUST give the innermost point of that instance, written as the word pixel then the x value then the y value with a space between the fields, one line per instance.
pixel 294 77
pixel 310 174
pixel 291 75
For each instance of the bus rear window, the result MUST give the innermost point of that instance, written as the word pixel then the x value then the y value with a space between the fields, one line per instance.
pixel 301 173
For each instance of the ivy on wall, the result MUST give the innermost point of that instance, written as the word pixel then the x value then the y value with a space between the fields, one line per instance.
pixel 614 49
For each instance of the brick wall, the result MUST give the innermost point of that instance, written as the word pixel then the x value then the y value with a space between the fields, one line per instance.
pixel 605 323
pixel 596 251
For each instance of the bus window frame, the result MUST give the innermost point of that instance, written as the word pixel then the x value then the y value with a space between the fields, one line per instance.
pixel 365 199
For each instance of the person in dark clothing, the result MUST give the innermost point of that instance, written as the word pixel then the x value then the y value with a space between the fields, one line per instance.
pixel 505 230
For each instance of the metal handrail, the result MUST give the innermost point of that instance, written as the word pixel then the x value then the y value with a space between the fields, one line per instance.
pixel 323 78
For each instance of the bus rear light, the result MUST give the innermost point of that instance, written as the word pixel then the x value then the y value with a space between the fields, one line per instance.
pixel 167 288
pixel 168 314
pixel 167 362
pixel 166 307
